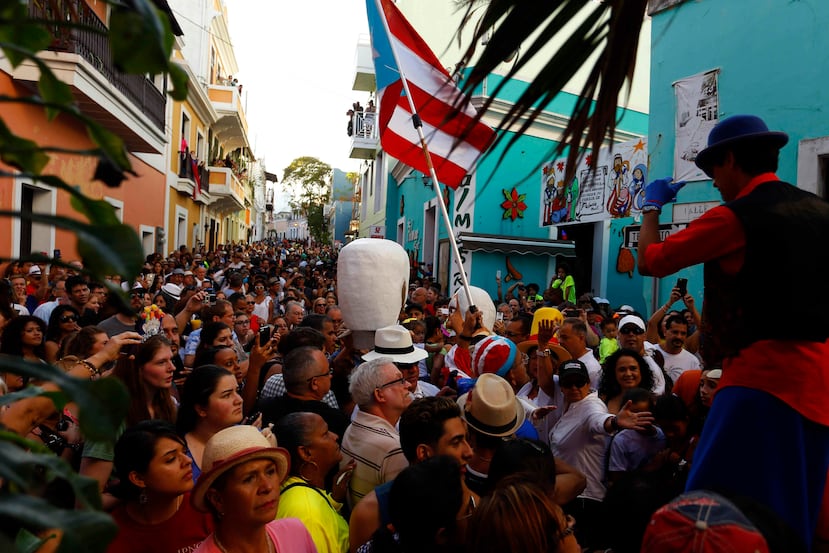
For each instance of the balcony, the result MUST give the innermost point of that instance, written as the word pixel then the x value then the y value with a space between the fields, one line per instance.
pixel 227 194
pixel 364 78
pixel 364 137
pixel 131 106
pixel 232 126
pixel 188 175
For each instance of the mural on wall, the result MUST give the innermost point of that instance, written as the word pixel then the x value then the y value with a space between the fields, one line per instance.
pixel 512 272
pixel 615 189
pixel 697 111
pixel 514 206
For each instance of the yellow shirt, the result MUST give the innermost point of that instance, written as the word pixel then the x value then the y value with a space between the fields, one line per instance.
pixel 318 512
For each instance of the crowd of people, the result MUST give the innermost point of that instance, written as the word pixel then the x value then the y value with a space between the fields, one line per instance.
pixel 560 423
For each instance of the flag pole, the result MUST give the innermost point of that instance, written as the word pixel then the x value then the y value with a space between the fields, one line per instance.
pixel 418 125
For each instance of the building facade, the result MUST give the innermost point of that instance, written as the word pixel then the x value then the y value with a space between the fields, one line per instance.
pixel 764 74
pixel 497 212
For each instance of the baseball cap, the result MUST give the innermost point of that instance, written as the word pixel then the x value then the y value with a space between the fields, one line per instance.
pixel 631 319
pixel 702 522
pixel 572 368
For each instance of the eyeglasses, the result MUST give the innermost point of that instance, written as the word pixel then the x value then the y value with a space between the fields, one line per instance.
pixel 470 508
pixel 400 380
pixel 251 303
pixel 68 319
pixel 329 373
pixel 631 330
pixel 257 287
pixel 577 383
pixel 244 322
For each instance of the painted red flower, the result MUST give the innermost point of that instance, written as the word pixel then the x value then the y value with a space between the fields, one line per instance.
pixel 514 205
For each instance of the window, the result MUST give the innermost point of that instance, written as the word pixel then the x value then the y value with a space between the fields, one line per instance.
pixel 35 237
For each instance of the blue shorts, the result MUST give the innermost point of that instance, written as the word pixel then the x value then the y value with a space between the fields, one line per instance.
pixel 755 445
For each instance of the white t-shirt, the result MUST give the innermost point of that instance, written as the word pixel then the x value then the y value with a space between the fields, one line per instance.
pixel 594 368
pixel 678 363
pixel 580 440
pixel 262 310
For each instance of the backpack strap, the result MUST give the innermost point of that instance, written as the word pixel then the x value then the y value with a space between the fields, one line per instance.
pixel 304 485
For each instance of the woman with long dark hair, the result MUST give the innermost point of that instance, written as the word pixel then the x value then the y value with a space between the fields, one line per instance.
pixel 23 337
pixel 622 371
pixel 154 486
pixel 209 403
pixel 62 323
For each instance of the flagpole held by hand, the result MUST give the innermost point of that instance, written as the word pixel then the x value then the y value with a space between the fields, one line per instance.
pixel 418 125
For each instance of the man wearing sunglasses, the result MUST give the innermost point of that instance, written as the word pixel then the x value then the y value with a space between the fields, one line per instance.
pixel 372 440
pixel 307 378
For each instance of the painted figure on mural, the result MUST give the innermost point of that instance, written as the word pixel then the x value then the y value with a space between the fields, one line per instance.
pixel 639 177
pixel 618 204
pixel 573 200
pixel 549 194
pixel 559 206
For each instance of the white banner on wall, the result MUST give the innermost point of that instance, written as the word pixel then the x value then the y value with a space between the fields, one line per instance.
pixel 615 189
pixel 697 111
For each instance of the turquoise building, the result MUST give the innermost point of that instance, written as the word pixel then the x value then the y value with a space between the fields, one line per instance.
pixel 769 59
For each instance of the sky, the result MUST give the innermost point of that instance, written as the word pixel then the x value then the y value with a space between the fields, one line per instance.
pixel 296 62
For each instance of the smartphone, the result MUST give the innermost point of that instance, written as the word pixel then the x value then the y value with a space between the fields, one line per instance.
pixel 56 254
pixel 572 313
pixel 499 316
pixel 498 274
pixel 682 284
pixel 264 335
pixel 250 419
pixel 444 311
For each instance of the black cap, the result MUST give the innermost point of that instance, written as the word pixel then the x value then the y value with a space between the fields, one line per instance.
pixel 573 367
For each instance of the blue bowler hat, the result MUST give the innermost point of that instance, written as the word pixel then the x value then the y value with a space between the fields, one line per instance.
pixel 734 129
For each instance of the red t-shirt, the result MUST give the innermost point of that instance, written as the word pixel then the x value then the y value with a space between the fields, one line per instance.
pixel 181 533
pixel 796 372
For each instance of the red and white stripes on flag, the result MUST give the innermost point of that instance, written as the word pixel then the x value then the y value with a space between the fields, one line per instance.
pixel 434 96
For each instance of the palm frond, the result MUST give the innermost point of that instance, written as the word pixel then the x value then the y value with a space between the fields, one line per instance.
pixel 609 28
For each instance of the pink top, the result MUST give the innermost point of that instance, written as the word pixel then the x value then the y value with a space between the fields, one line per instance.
pixel 288 535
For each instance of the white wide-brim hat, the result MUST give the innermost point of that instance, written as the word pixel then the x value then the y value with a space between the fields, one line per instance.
pixel 395 342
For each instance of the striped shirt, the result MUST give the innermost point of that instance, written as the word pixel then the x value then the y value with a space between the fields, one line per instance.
pixel 375 444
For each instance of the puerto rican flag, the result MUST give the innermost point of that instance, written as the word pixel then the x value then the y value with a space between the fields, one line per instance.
pixel 434 95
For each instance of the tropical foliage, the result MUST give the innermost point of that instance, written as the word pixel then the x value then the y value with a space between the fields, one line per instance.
pixel 141 42
pixel 309 182
pixel 606 31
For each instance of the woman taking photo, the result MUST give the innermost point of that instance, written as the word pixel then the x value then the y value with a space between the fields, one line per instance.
pixel 155 483
pixel 209 403
pixel 624 370
pixel 314 453
pixel 239 486
pixel 62 323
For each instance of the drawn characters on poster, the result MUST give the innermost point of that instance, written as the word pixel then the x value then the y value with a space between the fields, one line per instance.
pixel 639 177
pixel 615 189
pixel 618 204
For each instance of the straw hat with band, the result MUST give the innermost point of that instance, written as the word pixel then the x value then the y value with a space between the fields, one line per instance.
pixel 395 342
pixel 560 353
pixel 229 448
pixel 491 407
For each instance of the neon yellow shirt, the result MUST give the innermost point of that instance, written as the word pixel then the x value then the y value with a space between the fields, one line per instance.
pixel 568 288
pixel 318 512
